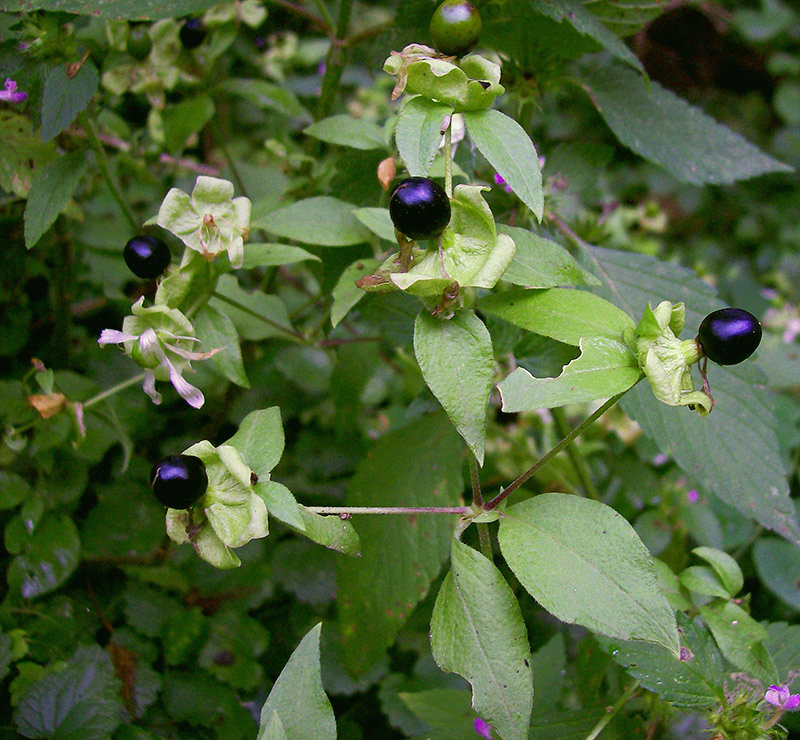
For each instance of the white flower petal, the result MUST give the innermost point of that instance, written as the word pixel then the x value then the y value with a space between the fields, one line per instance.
pixel 112 336
pixel 193 396
pixel 149 387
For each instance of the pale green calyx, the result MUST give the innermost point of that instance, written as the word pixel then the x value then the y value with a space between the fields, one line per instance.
pixel 210 220
pixel 471 85
pixel 229 515
pixel 250 12
pixel 666 360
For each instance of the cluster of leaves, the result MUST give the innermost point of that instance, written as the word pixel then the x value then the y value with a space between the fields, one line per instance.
pixel 330 374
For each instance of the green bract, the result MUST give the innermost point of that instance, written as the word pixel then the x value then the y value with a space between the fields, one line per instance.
pixel 665 359
pixel 249 12
pixel 471 85
pixel 210 220
pixel 229 515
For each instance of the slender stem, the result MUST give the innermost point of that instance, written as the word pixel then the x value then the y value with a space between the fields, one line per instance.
pixel 552 453
pixel 335 61
pixel 477 504
pixel 113 389
pixel 349 510
pixel 105 171
pixel 448 158
pixel 609 715
pixel 576 457
pixel 303 13
pixel 324 12
pixel 291 332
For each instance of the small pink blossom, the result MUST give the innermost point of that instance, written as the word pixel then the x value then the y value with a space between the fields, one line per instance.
pixel 482 728
pixel 692 496
pixel 10 94
pixel 780 697
pixel 498 180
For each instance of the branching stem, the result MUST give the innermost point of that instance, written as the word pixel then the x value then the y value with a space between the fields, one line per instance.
pixel 113 389
pixel 347 511
pixel 609 715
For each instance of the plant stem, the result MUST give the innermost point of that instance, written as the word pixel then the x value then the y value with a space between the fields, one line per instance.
pixel 113 389
pixel 291 332
pixel 105 170
pixel 349 510
pixel 552 453
pixel 606 718
pixel 477 504
pixel 576 457
pixel 323 11
pixel 335 61
pixel 303 13
pixel 448 158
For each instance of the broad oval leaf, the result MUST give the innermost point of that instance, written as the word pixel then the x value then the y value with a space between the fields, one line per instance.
pixel 584 563
pixel 477 631
pixel 778 565
pixel 64 97
pixel 260 440
pixel 456 360
pixel 508 149
pixel 216 331
pixel 322 220
pixel 419 132
pixel 356 133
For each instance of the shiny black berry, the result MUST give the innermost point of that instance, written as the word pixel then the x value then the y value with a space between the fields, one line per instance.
pixel 729 336
pixel 419 208
pixel 179 481
pixel 139 42
pixel 146 256
pixel 455 27
pixel 192 33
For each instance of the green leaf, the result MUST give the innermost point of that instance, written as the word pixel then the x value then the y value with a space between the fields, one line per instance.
pixel 447 711
pixel 281 503
pixel 64 97
pixel 416 465
pixel 702 580
pixel 587 24
pixel 133 9
pixel 778 565
pixel 48 560
pixel 456 360
pixel 322 220
pixel 243 640
pixel 508 149
pixel 266 96
pixel 184 119
pixel 744 415
pixel 604 368
pixel 81 702
pixel 542 263
pixel 346 294
pixel 356 133
pixel 269 255
pixel 6 655
pixel 182 634
pixel 661 127
pixel 260 440
pixel 783 643
pixel 297 696
pixel 14 489
pixel 477 631
pixel 214 330
pixel 24 153
pixel 559 313
pixel 584 563
pixel 378 221
pixel 419 132
pixel 52 187
pixel 725 567
pixel 741 639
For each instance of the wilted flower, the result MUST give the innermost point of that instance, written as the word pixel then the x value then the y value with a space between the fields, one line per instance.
pixel 159 339
pixel 10 94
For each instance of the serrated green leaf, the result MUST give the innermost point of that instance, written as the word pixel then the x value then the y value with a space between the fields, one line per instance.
pixel 322 220
pixel 269 255
pixel 215 330
pixel 346 294
pixel 297 696
pixel 456 360
pixel 585 564
pixel 508 149
pixel 52 187
pixel 419 132
pixel 184 119
pixel 416 465
pixel 741 639
pixel 744 414
pixel 542 263
pixel 604 368
pixel 356 133
pixel 64 97
pixel 661 127
pixel 477 631
pixel 559 313
pixel 778 565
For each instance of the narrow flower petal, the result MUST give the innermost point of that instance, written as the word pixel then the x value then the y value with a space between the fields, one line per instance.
pixel 193 396
pixel 10 94
pixel 793 702
pixel 112 336
pixel 149 387
pixel 189 355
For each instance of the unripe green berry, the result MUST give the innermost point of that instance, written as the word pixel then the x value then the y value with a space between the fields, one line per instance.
pixel 455 27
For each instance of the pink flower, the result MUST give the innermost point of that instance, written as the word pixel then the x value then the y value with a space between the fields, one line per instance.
pixel 10 94
pixel 498 180
pixel 692 497
pixel 780 697
pixel 482 727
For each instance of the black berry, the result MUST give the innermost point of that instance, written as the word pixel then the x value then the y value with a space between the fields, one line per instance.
pixel 139 42
pixel 729 336
pixel 192 33
pixel 455 27
pixel 179 481
pixel 419 208
pixel 146 256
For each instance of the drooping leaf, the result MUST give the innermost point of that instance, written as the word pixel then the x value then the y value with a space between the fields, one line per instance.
pixel 215 330
pixel 356 133
pixel 52 187
pixel 508 149
pixel 419 132
pixel 585 564
pixel 477 631
pixel 346 294
pixel 416 465
pixel 456 360
pixel 604 368
pixel 665 129
pixel 297 696
pixel 332 532
pixel 322 220
pixel 744 413
pixel 64 97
